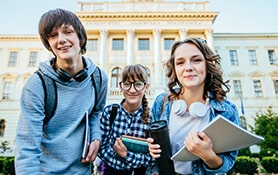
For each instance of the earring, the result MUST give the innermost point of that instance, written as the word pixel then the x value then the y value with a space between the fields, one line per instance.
pixel 176 88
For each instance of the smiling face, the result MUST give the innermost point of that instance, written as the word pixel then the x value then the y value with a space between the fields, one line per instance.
pixel 133 95
pixel 190 66
pixel 64 42
pixel 134 84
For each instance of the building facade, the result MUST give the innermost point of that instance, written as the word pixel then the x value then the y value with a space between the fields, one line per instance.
pixel 142 31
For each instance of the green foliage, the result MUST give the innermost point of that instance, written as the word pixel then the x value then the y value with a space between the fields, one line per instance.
pixel 4 146
pixel 266 125
pixel 244 152
pixel 2 160
pixel 7 165
pixel 270 164
pixel 245 165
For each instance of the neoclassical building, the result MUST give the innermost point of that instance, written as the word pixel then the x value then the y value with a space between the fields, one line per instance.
pixel 142 31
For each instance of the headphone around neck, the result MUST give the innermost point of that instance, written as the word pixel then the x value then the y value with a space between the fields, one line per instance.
pixel 64 76
pixel 196 109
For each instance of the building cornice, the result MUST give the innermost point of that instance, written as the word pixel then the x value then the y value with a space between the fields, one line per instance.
pixel 19 37
pixel 245 35
pixel 139 16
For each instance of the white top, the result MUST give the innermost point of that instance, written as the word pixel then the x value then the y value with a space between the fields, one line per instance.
pixel 179 128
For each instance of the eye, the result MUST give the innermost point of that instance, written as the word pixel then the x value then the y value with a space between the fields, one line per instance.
pixel 139 83
pixel 126 83
pixel 52 35
pixel 179 62
pixel 197 60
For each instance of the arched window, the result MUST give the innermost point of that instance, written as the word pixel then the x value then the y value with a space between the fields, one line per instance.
pixel 2 127
pixel 116 77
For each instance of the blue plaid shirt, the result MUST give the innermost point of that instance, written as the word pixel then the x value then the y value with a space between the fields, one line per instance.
pixel 125 123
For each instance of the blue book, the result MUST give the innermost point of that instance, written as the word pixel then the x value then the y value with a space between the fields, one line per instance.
pixel 135 144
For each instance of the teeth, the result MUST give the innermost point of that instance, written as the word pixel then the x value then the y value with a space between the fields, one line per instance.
pixel 64 48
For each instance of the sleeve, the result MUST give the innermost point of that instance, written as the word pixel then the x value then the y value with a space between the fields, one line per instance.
pixel 100 103
pixel 157 107
pixel 228 158
pixel 29 128
pixel 106 152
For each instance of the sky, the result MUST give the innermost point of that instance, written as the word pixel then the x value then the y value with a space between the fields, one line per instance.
pixel 235 16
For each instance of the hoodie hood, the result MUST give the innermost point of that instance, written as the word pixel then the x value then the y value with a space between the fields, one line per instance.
pixel 48 70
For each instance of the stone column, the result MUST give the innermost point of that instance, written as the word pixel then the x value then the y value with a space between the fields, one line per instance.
pixel 130 47
pixel 183 34
pixel 103 49
pixel 209 38
pixel 157 58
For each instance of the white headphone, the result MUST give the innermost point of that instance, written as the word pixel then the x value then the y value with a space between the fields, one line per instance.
pixel 196 109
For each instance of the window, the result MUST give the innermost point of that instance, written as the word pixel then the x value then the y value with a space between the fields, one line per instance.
pixel 33 59
pixel 237 88
pixel 233 57
pixel 144 44
pixel 92 44
pixel 258 88
pixel 2 127
pixel 118 44
pixel 7 92
pixel 116 77
pixel 252 57
pixel 275 82
pixel 271 56
pixel 12 59
pixel 168 42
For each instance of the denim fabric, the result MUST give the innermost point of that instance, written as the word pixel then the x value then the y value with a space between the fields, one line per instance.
pixel 224 108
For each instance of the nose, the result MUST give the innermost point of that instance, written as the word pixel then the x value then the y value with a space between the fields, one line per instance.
pixel 61 37
pixel 188 66
pixel 132 88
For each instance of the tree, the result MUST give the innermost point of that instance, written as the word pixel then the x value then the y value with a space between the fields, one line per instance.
pixel 266 125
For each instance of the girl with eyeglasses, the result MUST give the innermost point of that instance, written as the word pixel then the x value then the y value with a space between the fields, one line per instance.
pixel 132 119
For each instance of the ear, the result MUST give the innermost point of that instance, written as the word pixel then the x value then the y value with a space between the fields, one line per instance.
pixel 148 86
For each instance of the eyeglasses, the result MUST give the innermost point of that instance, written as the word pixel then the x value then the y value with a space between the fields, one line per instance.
pixel 138 85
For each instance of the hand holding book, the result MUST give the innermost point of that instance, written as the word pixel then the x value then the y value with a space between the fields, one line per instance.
pixel 135 144
pixel 225 135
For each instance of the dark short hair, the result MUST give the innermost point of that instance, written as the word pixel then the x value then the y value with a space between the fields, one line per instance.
pixel 56 18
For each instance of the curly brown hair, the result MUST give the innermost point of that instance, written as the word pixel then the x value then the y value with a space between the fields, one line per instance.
pixel 214 83
pixel 139 72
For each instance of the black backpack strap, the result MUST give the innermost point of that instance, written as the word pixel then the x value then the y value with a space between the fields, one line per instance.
pixel 113 115
pixel 50 96
pixel 97 82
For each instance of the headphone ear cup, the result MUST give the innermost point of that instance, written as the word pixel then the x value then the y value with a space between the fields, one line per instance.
pixel 81 75
pixel 198 109
pixel 179 107
pixel 63 75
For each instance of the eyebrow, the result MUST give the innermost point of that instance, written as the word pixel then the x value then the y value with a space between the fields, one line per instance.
pixel 193 56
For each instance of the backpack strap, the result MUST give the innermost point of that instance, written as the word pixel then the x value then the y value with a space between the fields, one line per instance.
pixel 50 92
pixel 50 96
pixel 113 115
pixel 97 82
